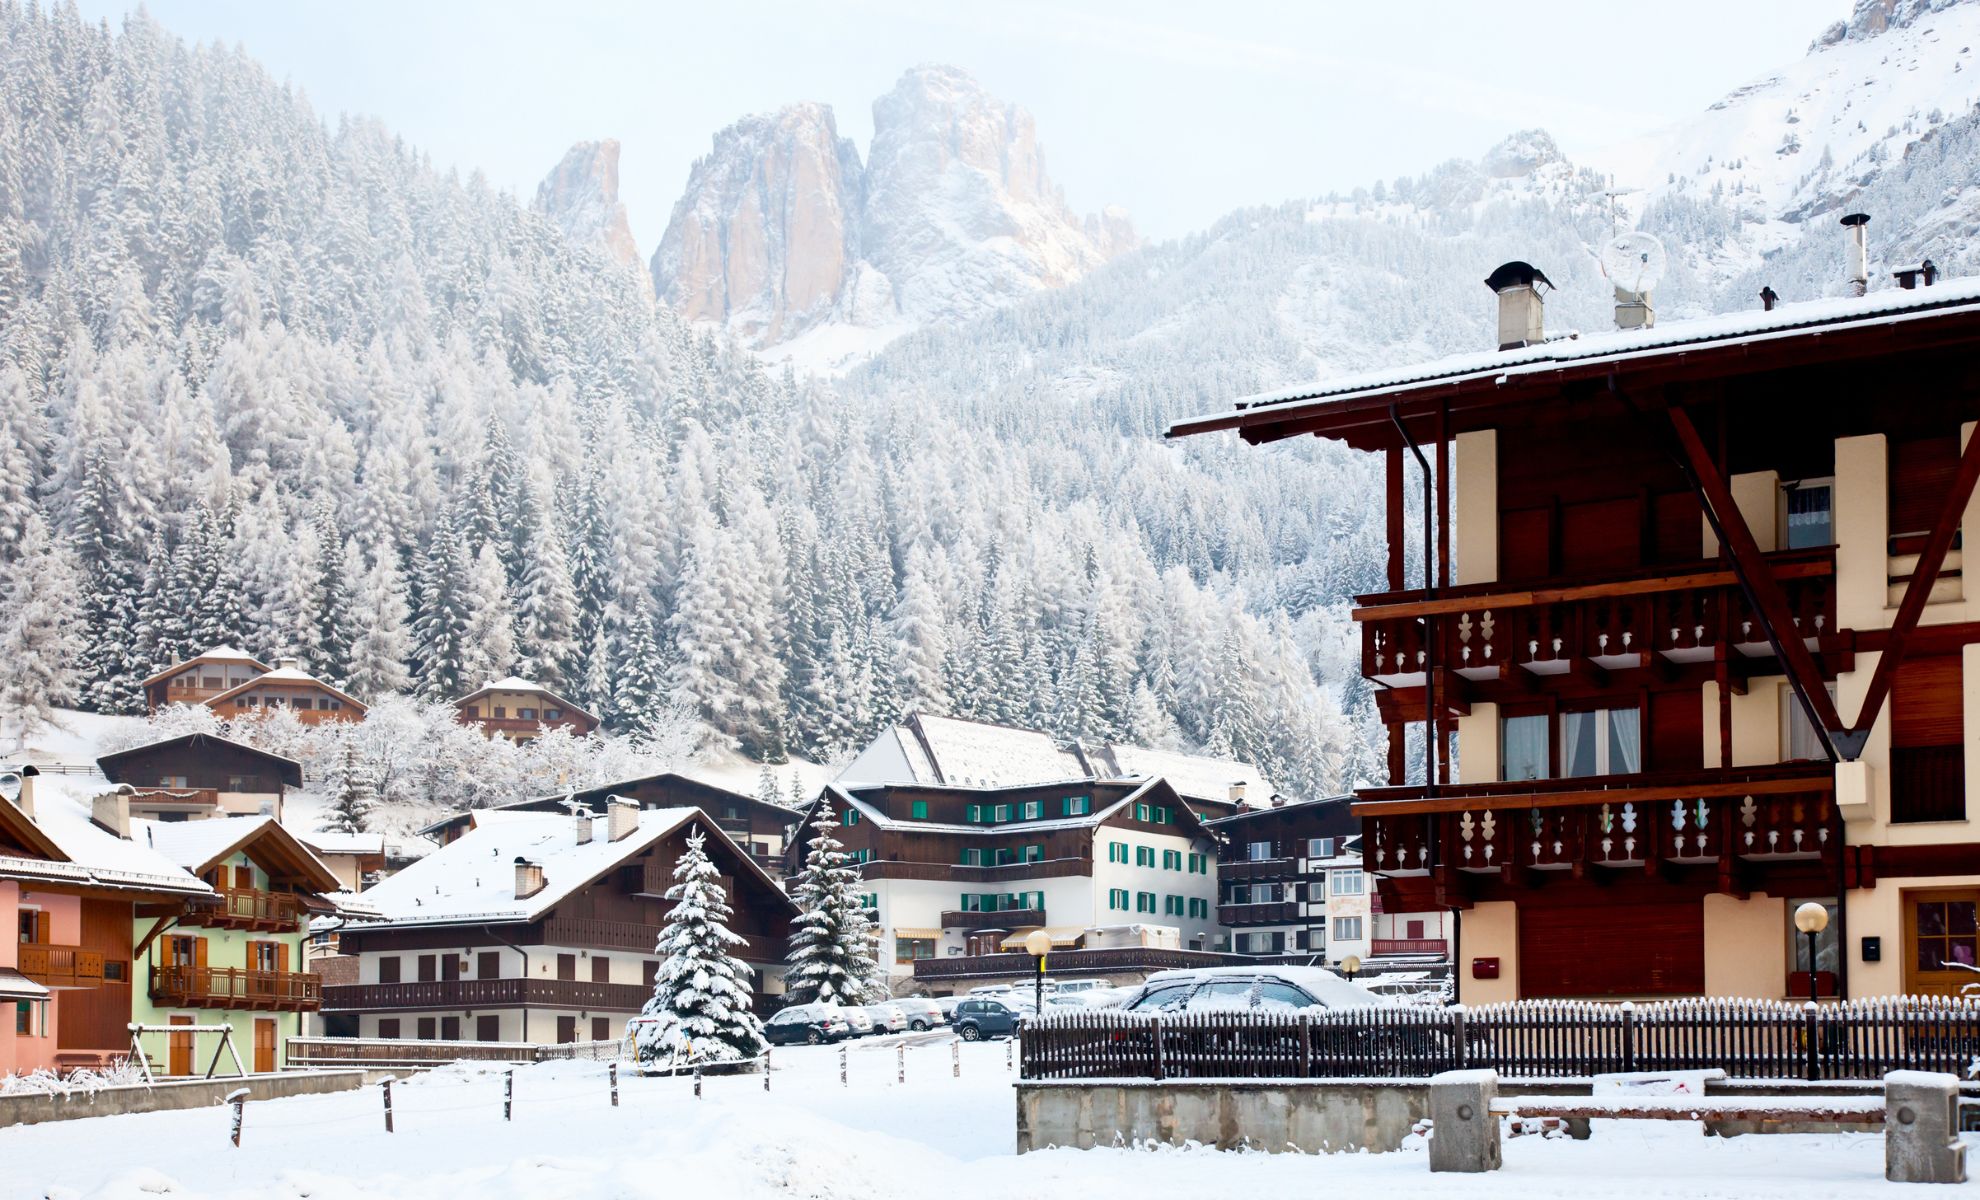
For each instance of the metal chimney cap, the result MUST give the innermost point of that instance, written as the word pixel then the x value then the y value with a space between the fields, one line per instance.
pixel 1516 274
pixel 1855 219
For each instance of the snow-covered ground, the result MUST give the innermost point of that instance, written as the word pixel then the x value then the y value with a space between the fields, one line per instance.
pixel 808 1137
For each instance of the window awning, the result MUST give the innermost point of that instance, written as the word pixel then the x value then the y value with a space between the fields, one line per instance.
pixel 16 986
pixel 917 933
pixel 1060 937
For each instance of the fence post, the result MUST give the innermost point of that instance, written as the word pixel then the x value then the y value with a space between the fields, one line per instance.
pixel 237 1098
pixel 1460 1052
pixel 386 1085
pixel 1305 1046
pixel 1155 1036
pixel 697 1083
pixel 766 1068
pixel 842 1066
pixel 1809 1016
pixel 1007 1051
pixel 509 1094
pixel 1628 1036
pixel 955 1058
pixel 612 1070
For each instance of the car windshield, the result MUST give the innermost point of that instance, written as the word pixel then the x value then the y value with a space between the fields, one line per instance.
pixel 1169 995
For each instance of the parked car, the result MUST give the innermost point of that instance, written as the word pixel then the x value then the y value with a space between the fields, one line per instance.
pixel 887 1017
pixel 1210 988
pixel 921 1012
pixel 811 1024
pixel 1075 987
pixel 948 1006
pixel 860 1020
pixel 978 1018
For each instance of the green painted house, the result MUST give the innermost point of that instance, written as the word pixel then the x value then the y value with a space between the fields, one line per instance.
pixel 237 960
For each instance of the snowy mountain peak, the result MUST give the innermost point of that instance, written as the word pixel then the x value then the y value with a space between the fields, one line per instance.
pixel 581 195
pixel 1872 17
pixel 1521 154
pixel 784 237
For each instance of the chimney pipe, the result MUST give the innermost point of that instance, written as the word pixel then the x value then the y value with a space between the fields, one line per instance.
pixel 529 878
pixel 1859 252
pixel 1768 298
pixel 621 817
pixel 25 801
pixel 1930 270
pixel 582 816
pixel 112 811
pixel 1237 792
pixel 1521 311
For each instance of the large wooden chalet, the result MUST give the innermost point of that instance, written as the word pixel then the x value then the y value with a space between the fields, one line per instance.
pixel 1691 614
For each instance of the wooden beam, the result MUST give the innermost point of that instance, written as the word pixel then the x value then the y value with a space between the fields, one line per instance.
pixel 1529 597
pixel 1762 590
pixel 1917 592
pixel 1643 795
pixel 157 927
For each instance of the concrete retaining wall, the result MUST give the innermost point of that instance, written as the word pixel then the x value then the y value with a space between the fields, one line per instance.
pixel 177 1094
pixel 1312 1117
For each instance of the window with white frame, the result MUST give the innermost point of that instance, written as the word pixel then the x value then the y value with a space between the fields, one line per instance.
pixel 1602 741
pixel 1345 883
pixel 1320 847
pixel 1347 929
pixel 1799 741
pixel 1808 513
pixel 1258 851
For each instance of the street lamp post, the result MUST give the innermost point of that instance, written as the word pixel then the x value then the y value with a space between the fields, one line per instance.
pixel 1351 964
pixel 1811 919
pixel 1038 944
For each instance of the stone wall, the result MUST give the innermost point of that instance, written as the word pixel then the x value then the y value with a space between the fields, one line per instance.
pixel 1318 1117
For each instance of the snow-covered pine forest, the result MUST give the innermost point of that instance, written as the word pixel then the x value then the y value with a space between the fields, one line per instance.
pixel 278 383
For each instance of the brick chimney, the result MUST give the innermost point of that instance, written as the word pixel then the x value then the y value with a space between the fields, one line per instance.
pixel 25 801
pixel 529 878
pixel 111 811
pixel 622 817
pixel 1237 792
pixel 288 663
pixel 582 816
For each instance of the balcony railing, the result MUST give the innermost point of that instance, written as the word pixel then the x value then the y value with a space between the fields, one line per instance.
pixel 635 935
pixel 1683 613
pixel 487 993
pixel 1013 872
pixel 252 909
pixel 61 966
pixel 175 798
pixel 236 987
pixel 1009 918
pixel 1258 868
pixel 1381 946
pixel 1068 962
pixel 1753 816
pixel 1269 912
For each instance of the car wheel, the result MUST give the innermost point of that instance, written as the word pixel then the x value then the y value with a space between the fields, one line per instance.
pixel 971 1033
pixel 918 1026
pixel 812 1037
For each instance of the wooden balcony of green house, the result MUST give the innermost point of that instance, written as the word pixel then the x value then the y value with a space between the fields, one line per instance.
pixel 251 909
pixel 1741 821
pixel 186 986
pixel 61 967
pixel 1487 640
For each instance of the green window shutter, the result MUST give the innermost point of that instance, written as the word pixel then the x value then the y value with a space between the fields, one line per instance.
pixel 920 810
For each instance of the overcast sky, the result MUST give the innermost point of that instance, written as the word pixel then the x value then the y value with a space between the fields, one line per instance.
pixel 1177 111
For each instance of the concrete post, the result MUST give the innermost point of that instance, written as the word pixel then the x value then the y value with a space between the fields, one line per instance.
pixel 1921 1128
pixel 1464 1135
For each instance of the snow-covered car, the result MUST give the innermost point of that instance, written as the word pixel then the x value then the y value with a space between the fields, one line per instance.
pixel 860 1020
pixel 948 1006
pixel 922 1013
pixel 887 1017
pixel 1211 988
pixel 1077 987
pixel 978 1018
pixel 810 1024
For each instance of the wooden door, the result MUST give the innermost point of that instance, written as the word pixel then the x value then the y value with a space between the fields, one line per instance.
pixel 566 1029
pixel 179 1048
pixel 488 1028
pixel 488 965
pixel 244 877
pixel 1941 940
pixel 264 1045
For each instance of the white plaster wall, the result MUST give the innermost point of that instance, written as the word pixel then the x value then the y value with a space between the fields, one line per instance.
pixel 1475 507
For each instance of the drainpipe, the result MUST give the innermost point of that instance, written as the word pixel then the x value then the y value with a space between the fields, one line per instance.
pixel 490 931
pixel 1429 592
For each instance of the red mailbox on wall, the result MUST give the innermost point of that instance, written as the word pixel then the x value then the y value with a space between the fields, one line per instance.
pixel 1484 968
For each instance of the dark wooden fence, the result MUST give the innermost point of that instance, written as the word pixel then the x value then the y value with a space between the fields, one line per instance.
pixel 1748 1039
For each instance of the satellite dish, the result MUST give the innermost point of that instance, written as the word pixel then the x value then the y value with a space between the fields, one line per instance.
pixel 10 786
pixel 1634 262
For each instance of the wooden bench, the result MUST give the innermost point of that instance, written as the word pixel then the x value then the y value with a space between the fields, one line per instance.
pixel 1717 1112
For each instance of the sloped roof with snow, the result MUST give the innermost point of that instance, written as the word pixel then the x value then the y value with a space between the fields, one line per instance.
pixel 97 857
pixel 111 764
pixel 958 752
pixel 1615 347
pixel 1193 775
pixel 198 845
pixel 292 678
pixel 216 654
pixel 515 683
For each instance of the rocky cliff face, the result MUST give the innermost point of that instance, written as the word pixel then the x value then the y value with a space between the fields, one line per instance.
pixel 784 235
pixel 582 196
pixel 1872 17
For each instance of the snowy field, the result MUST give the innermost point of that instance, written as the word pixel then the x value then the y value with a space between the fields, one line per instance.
pixel 935 1136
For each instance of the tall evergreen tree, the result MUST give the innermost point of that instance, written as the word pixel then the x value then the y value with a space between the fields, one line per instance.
pixel 701 996
pixel 832 941
pixel 331 618
pixel 40 630
pixel 441 629
pixel 350 809
pixel 384 643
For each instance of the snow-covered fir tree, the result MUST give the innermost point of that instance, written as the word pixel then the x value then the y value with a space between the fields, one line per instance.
pixel 350 809
pixel 832 941
pixel 701 995
pixel 40 630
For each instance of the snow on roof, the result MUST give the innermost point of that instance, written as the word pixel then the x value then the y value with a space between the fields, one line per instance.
pixel 324 842
pixel 289 675
pixel 516 683
pixel 1135 790
pixel 1193 775
pixel 971 752
pixel 193 844
pixel 95 854
pixel 1751 325
pixel 216 654
pixel 473 878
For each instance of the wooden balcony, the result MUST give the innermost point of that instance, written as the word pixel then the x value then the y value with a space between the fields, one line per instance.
pixel 1271 912
pixel 1677 617
pixel 61 966
pixel 1009 918
pixel 634 935
pixel 175 799
pixel 487 993
pixel 1381 946
pixel 236 987
pixel 1012 872
pixel 1737 820
pixel 251 909
pixel 1062 963
pixel 1259 868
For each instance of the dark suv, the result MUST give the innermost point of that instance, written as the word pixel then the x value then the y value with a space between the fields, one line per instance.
pixel 975 1020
